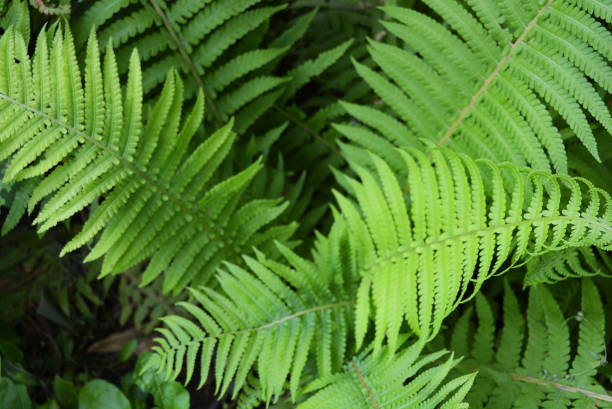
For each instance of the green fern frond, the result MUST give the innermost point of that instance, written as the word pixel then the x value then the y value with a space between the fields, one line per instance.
pixel 143 306
pixel 272 319
pixel 404 380
pixel 15 198
pixel 489 79
pixel 154 197
pixel 548 368
pixel 462 222
pixel 214 43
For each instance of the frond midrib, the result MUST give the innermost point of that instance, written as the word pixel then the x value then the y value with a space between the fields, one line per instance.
pixel 192 68
pixel 265 326
pixel 369 394
pixel 402 250
pixel 542 382
pixel 494 74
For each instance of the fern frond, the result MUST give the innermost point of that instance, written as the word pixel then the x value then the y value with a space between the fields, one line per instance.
pixel 536 372
pixel 489 79
pixel 154 198
pixel 462 222
pixel 458 232
pixel 405 380
pixel 272 319
pixel 214 43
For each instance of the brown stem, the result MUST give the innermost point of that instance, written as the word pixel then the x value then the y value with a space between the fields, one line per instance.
pixel 363 383
pixel 560 386
pixel 466 110
pixel 192 67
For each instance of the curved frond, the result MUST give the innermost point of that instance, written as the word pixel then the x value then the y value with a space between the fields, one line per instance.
pixel 569 263
pixel 422 251
pixel 405 380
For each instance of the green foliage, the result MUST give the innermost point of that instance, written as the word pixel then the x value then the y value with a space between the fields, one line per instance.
pixel 464 221
pixel 293 256
pixel 452 222
pixel 489 80
pixel 216 44
pixel 402 380
pixel 571 263
pixel 83 142
pixel 99 393
pixel 301 309
pixel 13 396
pixel 536 360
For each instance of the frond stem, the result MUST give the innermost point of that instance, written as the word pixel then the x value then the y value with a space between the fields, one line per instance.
pixel 400 251
pixel 560 386
pixel 485 85
pixel 363 383
pixel 304 312
pixel 192 67
pixel 273 323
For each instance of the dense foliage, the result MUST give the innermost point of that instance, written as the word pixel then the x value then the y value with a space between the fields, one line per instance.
pixel 310 203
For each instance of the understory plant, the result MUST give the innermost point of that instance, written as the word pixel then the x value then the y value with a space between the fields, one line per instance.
pixel 310 204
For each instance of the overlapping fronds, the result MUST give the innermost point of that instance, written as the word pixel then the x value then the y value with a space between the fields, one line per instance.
pixel 149 194
pixel 271 319
pixel 16 13
pixel 569 263
pixel 405 380
pixel 416 259
pixel 463 221
pixel 218 45
pixel 202 31
pixel 143 306
pixel 490 79
pixel 534 361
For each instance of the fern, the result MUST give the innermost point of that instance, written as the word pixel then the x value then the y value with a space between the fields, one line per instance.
pixel 190 36
pixel 160 200
pixel 490 82
pixel 215 43
pixel 392 381
pixel 534 362
pixel 15 199
pixel 272 318
pixel 418 259
pixel 452 222
pixel 518 92
pixel 143 306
